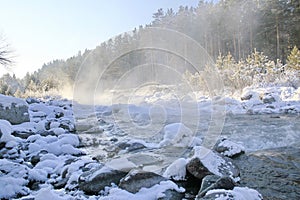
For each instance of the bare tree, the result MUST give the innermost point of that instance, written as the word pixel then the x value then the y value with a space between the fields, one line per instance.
pixel 5 52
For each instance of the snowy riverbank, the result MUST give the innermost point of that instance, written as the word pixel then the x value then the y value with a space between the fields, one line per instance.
pixel 45 159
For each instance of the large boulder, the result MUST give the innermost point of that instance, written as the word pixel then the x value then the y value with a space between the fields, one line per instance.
pixel 137 179
pixel 206 161
pixel 13 109
pixel 92 182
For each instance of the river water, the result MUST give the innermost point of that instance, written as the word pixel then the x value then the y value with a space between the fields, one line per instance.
pixel 271 163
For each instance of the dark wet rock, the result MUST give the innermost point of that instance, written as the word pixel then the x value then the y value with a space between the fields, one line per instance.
pixel 135 146
pixel 270 106
pixel 13 109
pixel 130 146
pixel 46 133
pixel 288 110
pixel 60 184
pixel 47 125
pixel 275 116
pixel 101 122
pixel 228 148
pixel 135 180
pixel 123 145
pixel 114 139
pixel 191 185
pixel 275 173
pixel 197 169
pixel 34 185
pixel 59 115
pixel 207 181
pixel 64 173
pixel 30 100
pixel 172 195
pixel 67 125
pixel 2 144
pixel 35 159
pixel 268 98
pixel 92 182
pixel 246 97
pixel 22 134
pixel 69 161
pixel 221 183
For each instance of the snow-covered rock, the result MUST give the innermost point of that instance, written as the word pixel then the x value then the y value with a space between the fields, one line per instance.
pixel 13 109
pixel 178 135
pixel 237 193
pixel 157 191
pixel 136 179
pixel 95 180
pixel 177 170
pixel 205 162
pixel 228 148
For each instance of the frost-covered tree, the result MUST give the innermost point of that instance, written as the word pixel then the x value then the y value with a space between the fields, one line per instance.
pixel 294 59
pixel 5 52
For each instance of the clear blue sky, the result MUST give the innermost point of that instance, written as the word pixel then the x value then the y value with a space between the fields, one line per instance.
pixel 40 31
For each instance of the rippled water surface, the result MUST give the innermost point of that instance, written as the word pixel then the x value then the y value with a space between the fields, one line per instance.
pixel 271 164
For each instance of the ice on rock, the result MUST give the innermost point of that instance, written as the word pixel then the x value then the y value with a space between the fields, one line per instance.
pixel 242 193
pixel 177 134
pixel 177 170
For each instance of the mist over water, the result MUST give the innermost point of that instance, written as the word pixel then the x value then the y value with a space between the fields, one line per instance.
pixel 145 87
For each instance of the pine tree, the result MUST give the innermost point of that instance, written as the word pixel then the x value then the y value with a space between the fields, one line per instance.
pixel 294 59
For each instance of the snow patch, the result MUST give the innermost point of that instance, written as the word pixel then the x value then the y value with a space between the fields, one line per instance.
pixel 177 170
pixel 243 193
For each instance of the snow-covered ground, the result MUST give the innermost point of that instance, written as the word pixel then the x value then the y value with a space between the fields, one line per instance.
pixel 44 158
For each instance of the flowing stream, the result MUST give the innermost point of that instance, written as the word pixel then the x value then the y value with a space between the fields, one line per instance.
pixel 271 163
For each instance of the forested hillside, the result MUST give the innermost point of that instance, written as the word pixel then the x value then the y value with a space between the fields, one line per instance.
pixel 249 39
